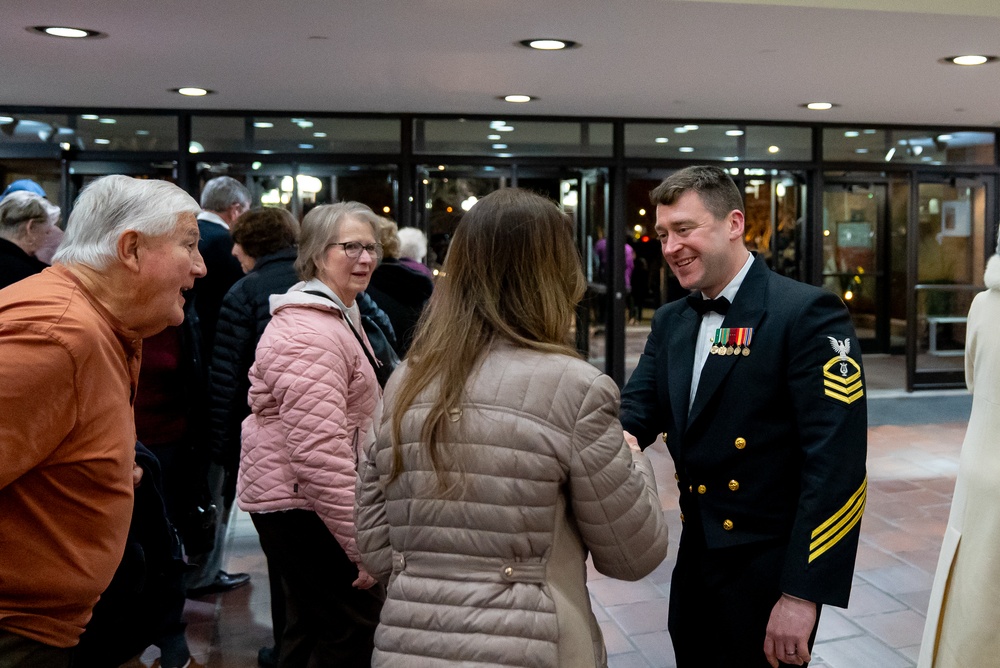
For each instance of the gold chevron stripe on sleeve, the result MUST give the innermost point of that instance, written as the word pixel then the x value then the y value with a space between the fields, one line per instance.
pixel 836 539
pixel 847 399
pixel 839 524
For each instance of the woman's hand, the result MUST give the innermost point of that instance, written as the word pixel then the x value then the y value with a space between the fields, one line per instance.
pixel 364 580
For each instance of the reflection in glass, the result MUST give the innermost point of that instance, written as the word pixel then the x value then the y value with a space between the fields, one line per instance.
pixel 853 215
pixel 296 134
pixel 509 137
pixel 950 265
pixel 930 147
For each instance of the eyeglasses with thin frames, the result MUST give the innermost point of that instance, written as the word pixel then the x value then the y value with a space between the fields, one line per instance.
pixel 353 249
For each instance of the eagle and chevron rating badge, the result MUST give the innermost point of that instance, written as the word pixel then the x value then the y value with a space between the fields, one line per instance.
pixel 842 375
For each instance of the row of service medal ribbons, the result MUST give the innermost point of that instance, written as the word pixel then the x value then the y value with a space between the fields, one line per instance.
pixel 732 341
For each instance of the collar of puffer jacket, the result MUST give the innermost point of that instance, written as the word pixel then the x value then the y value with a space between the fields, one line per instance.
pixel 297 297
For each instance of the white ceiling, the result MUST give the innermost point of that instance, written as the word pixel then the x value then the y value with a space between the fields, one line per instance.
pixel 677 59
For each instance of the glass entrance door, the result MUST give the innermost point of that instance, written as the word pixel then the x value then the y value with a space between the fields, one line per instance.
pixel 854 257
pixel 950 252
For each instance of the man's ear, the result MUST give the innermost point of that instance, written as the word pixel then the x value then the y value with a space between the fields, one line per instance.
pixel 737 224
pixel 129 249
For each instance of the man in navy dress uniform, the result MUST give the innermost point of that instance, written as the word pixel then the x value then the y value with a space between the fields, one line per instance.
pixel 755 382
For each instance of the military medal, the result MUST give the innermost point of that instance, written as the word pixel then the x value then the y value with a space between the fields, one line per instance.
pixel 732 341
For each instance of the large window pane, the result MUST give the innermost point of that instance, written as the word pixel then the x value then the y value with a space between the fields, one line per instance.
pixel 294 134
pixel 511 137
pixel 683 141
pixel 726 142
pixel 932 147
pixel 116 132
pixel 36 129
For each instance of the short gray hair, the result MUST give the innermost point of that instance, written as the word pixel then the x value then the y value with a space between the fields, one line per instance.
pixel 222 192
pixel 412 243
pixel 113 205
pixel 321 225
pixel 21 206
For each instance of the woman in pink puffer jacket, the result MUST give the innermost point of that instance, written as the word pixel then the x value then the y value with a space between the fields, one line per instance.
pixel 314 396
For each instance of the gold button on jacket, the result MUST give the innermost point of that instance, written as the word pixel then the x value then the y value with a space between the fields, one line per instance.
pixel 734 485
pixel 740 443
pixel 728 525
pixel 702 489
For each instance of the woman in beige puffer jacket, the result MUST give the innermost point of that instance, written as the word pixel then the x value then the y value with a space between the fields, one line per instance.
pixel 501 463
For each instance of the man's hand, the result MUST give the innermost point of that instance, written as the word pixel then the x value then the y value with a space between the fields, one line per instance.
pixel 788 630
pixel 136 475
pixel 633 442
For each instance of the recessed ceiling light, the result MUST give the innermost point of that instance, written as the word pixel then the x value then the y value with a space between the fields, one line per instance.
pixel 773 149
pixel 548 44
pixel 731 158
pixel 65 31
pixel 191 91
pixel 319 135
pixel 6 119
pixel 107 121
pixel 680 129
pixel 493 137
pixel 686 149
pixel 142 133
pixel 505 128
pixel 263 124
pixel 852 133
pixel 89 117
pixel 690 128
pixel 967 60
pixel 944 137
pixel 304 124
pixel 819 106
pixel 661 140
pixel 517 99
pixel 196 147
pixel 306 146
pixel 870 131
pixel 861 150
pixel 499 147
pixel 734 133
pixel 102 141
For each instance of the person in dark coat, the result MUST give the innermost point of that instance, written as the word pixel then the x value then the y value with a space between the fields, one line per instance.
pixel 223 200
pixel 29 226
pixel 398 290
pixel 756 384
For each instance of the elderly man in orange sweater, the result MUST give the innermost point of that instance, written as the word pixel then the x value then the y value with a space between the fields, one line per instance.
pixel 70 346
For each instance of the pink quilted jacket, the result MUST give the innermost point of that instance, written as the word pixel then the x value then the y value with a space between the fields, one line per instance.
pixel 313 396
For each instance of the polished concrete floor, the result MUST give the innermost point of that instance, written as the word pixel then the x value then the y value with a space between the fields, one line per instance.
pixel 914 443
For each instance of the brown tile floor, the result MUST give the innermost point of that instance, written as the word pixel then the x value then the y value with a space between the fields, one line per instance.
pixel 911 474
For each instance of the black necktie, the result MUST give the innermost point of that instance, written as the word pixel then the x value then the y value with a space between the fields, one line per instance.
pixel 702 306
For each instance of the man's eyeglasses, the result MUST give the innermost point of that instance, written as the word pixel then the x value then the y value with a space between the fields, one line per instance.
pixel 353 249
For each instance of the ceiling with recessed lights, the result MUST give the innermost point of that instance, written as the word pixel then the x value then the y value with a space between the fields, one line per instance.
pixel 677 59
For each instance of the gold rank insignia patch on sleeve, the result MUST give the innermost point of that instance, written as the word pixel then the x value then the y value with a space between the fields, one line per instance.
pixel 838 525
pixel 842 375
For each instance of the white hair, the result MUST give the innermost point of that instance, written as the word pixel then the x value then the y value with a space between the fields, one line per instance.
pixel 412 243
pixel 113 205
pixel 21 206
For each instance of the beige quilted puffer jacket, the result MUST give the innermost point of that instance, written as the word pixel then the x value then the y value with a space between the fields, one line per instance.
pixel 495 573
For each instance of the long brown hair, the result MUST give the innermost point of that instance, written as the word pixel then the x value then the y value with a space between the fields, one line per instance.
pixel 512 274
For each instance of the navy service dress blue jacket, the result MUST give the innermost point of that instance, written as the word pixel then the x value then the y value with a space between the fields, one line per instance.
pixel 774 445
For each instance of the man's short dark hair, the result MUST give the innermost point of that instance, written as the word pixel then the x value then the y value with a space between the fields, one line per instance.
pixel 717 190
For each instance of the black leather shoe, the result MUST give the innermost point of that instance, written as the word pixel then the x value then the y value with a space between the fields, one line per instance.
pixel 223 582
